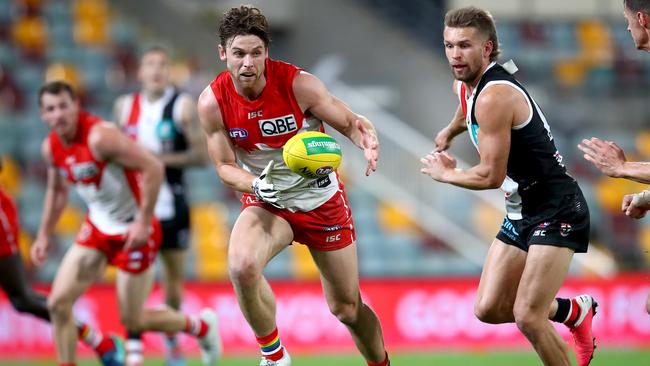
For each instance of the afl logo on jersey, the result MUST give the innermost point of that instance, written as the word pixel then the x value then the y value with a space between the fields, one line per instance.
pixel 238 134
pixel 278 126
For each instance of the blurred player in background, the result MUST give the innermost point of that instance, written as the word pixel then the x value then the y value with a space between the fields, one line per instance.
pixel 547 216
pixel 608 157
pixel 120 228
pixel 24 299
pixel 163 120
pixel 248 113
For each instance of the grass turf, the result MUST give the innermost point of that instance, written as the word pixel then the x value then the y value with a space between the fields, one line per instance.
pixel 603 358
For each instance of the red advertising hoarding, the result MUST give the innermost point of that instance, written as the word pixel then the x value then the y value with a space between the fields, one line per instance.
pixel 415 314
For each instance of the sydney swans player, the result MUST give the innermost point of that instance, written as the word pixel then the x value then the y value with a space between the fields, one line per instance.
pixel 120 229
pixel 248 113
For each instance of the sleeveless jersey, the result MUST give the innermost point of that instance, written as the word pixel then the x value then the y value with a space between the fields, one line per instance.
pixel 109 190
pixel 259 129
pixel 156 126
pixel 535 172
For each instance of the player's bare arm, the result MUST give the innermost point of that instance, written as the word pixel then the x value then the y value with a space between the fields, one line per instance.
pixel 195 154
pixel 312 95
pixel 610 159
pixel 497 108
pixel 220 149
pixel 56 198
pixel 455 127
pixel 108 143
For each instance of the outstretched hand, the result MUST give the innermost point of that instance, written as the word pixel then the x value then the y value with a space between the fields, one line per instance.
pixel 608 157
pixel 436 163
pixel 370 146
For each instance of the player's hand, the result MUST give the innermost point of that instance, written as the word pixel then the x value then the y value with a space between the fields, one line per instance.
pixel 442 140
pixel 370 146
pixel 608 157
pixel 137 234
pixel 636 205
pixel 264 189
pixel 39 250
pixel 437 163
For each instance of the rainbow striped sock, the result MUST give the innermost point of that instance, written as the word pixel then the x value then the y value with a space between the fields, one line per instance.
pixel 271 346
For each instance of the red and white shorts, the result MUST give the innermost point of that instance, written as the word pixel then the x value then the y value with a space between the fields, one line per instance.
pixel 9 228
pixel 135 260
pixel 328 227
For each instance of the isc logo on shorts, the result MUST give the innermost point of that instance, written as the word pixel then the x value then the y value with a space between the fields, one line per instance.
pixel 278 126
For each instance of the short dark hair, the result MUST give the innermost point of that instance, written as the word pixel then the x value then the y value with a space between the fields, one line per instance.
pixel 479 19
pixel 56 87
pixel 637 5
pixel 244 20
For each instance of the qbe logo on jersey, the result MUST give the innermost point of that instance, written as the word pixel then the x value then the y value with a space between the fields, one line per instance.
pixel 278 125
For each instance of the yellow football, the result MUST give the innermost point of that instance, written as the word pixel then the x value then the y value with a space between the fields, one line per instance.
pixel 312 154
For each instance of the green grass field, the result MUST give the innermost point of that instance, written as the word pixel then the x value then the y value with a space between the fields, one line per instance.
pixel 603 358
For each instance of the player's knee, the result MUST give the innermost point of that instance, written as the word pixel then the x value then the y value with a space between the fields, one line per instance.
pixel 346 312
pixel 527 318
pixel 483 313
pixel 492 313
pixel 59 307
pixel 243 270
pixel 647 305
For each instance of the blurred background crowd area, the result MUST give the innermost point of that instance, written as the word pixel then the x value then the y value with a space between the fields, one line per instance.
pixel 385 59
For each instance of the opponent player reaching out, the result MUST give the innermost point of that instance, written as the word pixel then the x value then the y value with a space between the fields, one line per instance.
pixel 248 112
pixel 547 216
pixel 120 229
pixel 608 157
pixel 13 281
pixel 163 119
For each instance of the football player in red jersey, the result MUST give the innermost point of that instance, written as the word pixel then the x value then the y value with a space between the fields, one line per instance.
pixel 248 113
pixel 120 228
pixel 13 281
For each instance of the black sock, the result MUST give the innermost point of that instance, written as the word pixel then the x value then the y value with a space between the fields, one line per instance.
pixel 563 309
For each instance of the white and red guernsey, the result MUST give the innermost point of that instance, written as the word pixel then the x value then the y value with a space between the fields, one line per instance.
pixel 110 191
pixel 259 129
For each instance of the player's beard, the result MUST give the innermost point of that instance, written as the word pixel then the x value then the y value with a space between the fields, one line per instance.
pixel 468 76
